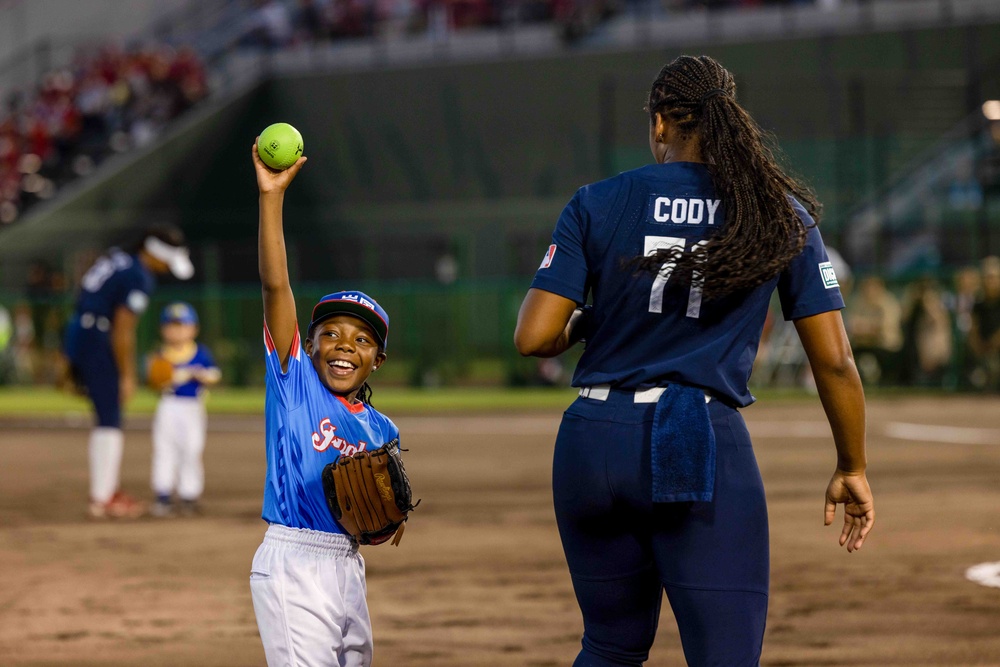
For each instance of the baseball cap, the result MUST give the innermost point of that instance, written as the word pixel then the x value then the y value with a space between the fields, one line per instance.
pixel 166 243
pixel 179 311
pixel 359 305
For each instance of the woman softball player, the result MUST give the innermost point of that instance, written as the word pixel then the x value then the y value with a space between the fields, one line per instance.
pixel 100 344
pixel 654 480
pixel 308 579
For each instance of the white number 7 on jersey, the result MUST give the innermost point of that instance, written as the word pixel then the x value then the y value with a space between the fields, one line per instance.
pixel 654 243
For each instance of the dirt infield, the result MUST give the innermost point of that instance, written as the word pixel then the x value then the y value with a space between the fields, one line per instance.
pixel 479 578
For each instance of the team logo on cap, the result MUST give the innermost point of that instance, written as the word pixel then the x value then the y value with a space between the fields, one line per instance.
pixel 549 255
pixel 357 298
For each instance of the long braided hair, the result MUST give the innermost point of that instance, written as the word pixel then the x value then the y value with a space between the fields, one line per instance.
pixel 762 232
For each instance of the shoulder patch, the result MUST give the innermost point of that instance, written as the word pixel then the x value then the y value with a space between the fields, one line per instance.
pixel 829 276
pixel 137 301
pixel 549 255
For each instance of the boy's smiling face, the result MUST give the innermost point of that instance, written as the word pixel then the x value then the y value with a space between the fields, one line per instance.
pixel 344 351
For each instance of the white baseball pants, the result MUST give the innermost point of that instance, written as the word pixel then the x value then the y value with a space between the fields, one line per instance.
pixel 309 597
pixel 179 427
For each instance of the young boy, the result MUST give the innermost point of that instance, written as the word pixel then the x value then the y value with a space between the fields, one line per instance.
pixel 308 579
pixel 179 425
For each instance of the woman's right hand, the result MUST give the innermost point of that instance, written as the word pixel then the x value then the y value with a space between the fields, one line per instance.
pixel 270 181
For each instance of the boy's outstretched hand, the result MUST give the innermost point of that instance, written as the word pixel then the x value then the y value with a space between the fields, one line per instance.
pixel 270 181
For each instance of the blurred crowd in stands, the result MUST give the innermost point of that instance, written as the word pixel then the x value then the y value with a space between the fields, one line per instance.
pixel 104 103
pixel 925 333
pixel 283 23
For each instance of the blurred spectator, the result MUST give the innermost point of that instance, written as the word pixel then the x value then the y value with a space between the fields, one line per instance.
pixel 105 102
pixel 965 192
pixel 841 269
pixel 308 24
pixel 984 338
pixel 966 284
pixel 6 349
pixel 874 325
pixel 23 344
pixel 927 340
pixel 270 25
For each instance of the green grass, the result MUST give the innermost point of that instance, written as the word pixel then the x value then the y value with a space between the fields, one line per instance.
pixel 39 401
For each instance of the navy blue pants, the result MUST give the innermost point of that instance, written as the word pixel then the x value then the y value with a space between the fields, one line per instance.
pixel 94 368
pixel 623 550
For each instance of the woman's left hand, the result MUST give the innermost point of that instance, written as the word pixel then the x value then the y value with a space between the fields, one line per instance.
pixel 851 489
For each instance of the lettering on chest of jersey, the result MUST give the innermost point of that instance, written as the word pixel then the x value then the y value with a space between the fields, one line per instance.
pixel 326 437
pixel 665 210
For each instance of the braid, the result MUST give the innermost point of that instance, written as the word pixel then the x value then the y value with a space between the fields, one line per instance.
pixel 762 232
pixel 365 394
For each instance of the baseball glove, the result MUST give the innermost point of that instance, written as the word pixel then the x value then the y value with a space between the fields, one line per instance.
pixel 369 494
pixel 160 374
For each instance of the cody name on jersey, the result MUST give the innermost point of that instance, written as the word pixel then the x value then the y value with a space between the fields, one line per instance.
pixel 646 329
pixel 308 427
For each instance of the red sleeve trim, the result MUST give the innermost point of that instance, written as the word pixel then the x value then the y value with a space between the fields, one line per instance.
pixel 296 347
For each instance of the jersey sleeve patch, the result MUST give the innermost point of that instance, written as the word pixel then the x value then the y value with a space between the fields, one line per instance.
pixel 549 256
pixel 137 301
pixel 828 274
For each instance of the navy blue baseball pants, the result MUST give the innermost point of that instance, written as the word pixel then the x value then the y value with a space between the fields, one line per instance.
pixel 94 367
pixel 623 550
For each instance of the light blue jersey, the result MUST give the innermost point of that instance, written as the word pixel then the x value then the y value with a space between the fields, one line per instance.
pixel 306 428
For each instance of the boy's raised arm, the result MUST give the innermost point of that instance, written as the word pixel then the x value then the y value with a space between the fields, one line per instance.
pixel 279 303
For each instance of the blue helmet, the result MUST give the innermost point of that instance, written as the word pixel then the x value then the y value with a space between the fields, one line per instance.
pixel 179 311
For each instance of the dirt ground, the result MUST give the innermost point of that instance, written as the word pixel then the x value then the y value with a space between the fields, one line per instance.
pixel 479 578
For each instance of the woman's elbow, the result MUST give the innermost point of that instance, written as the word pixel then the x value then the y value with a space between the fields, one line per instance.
pixel 524 344
pixel 839 366
pixel 529 343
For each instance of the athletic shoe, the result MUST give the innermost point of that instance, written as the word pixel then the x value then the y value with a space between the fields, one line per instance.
pixel 161 510
pixel 189 508
pixel 121 506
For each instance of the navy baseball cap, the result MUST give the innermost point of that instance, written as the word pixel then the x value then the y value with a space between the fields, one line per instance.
pixel 359 305
pixel 179 311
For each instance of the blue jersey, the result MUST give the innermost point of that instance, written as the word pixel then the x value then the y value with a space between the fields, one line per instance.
pixel 116 279
pixel 201 357
pixel 645 329
pixel 306 428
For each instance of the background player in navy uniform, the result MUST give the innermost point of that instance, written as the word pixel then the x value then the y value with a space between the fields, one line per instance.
pixel 181 423
pixel 100 347
pixel 308 578
pixel 654 480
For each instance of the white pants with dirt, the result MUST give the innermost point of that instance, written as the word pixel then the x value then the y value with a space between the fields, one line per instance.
pixel 178 444
pixel 310 599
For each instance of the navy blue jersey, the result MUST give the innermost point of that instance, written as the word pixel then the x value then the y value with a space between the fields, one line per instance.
pixel 645 329
pixel 116 278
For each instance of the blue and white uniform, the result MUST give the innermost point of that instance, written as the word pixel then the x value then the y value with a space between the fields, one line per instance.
pixel 179 428
pixel 116 279
pixel 308 578
pixel 642 504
